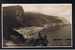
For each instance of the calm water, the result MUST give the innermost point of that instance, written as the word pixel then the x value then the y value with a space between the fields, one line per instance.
pixel 60 37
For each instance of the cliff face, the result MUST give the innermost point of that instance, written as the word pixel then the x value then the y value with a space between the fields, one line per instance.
pixel 11 15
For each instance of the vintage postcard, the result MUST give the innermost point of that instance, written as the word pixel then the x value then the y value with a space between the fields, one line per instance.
pixel 37 25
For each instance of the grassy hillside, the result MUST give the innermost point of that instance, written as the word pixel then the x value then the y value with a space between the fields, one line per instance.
pixel 38 19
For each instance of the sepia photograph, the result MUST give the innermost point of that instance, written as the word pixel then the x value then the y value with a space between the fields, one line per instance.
pixel 37 25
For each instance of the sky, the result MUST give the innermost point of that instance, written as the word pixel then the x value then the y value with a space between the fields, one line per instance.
pixel 60 10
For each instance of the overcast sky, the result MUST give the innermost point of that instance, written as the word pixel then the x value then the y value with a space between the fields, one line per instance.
pixel 61 10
